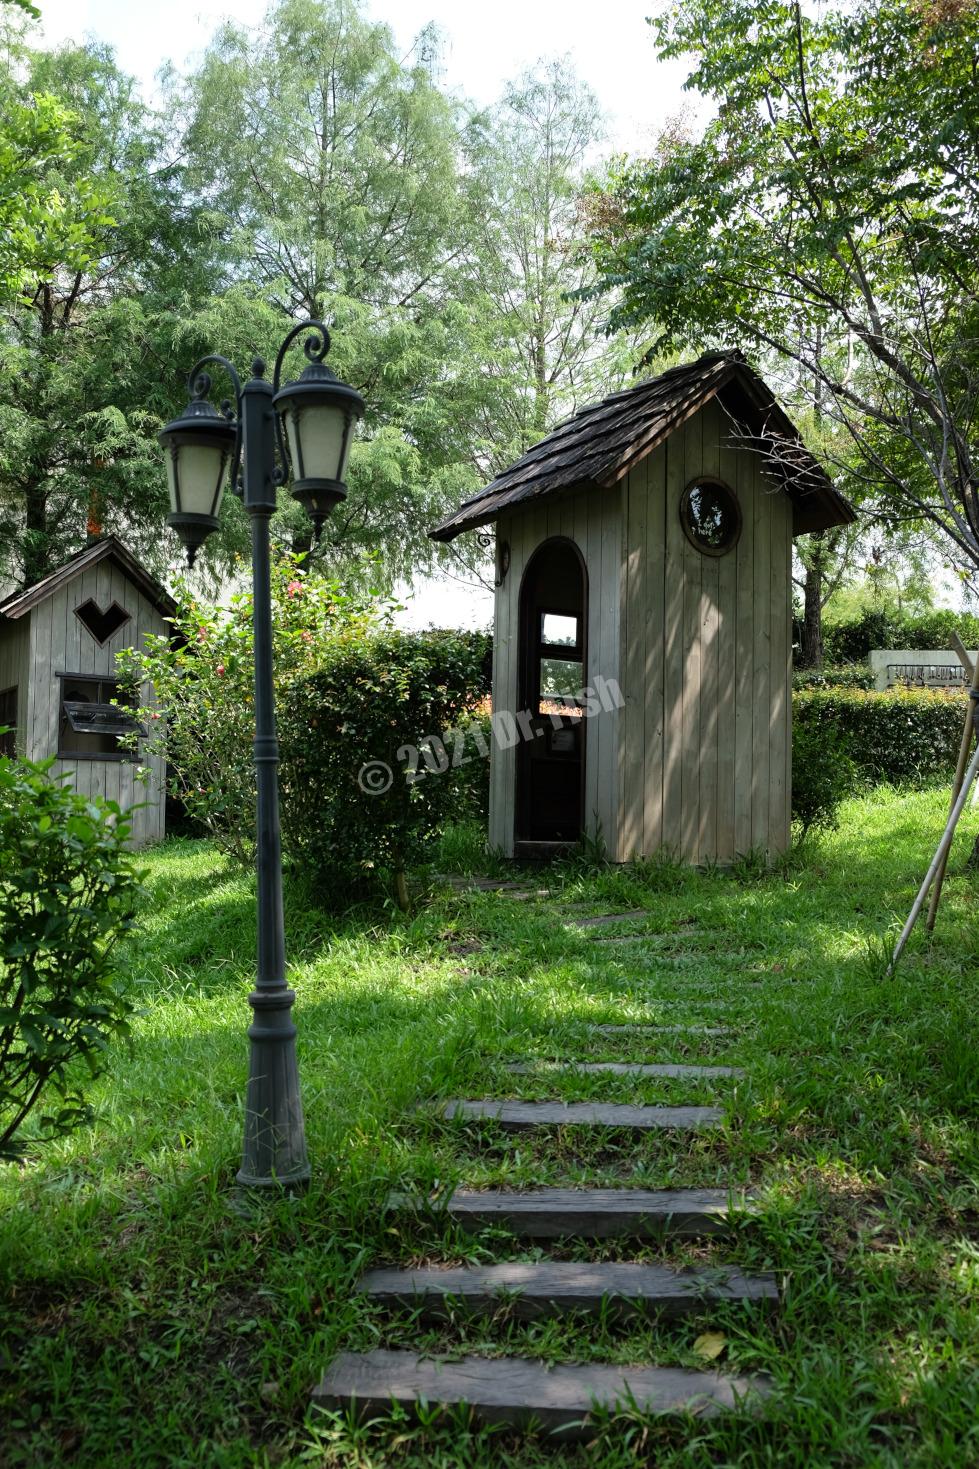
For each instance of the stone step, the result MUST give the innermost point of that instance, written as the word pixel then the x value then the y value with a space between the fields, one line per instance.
pixel 558 1399
pixel 641 1029
pixel 589 1213
pixel 519 1116
pixel 537 1289
pixel 675 1069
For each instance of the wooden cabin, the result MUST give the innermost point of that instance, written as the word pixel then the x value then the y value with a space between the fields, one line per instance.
pixel 642 654
pixel 58 646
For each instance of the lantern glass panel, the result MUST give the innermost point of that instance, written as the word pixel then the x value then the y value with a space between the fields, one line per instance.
pixel 316 434
pixel 196 488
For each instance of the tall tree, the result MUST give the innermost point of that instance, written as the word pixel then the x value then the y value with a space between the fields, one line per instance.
pixel 335 169
pixel 86 322
pixel 545 348
pixel 827 218
pixel 540 345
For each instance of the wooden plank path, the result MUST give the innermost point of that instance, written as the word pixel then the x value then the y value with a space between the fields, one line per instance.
pixel 557 1398
pixel 642 1029
pixel 534 1290
pixel 520 1116
pixel 562 1399
pixel 675 1069
pixel 591 1213
pixel 600 920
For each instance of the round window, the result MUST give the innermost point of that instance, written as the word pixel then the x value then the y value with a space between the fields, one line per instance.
pixel 711 516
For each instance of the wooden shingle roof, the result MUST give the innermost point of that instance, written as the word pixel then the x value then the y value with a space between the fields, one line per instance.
pixel 599 445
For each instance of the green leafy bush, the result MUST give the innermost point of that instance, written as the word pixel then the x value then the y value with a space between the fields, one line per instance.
pixel 842 676
pixel 823 773
pixel 380 749
pixel 472 778
pixel 68 890
pixel 202 674
pixel 896 735
pixel 851 642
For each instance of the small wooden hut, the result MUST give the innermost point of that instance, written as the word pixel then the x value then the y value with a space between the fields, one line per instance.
pixel 642 656
pixel 58 646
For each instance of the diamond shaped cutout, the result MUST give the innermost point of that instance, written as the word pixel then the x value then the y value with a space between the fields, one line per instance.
pixel 101 624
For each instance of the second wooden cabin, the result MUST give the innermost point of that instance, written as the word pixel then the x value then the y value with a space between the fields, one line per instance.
pixel 642 652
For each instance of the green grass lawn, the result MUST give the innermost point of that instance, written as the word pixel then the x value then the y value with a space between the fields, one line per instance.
pixel 146 1323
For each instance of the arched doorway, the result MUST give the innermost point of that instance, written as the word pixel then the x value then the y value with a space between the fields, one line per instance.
pixel 553 660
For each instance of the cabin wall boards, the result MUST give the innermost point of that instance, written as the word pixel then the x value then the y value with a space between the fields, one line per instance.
pixel 706 737
pixel 58 647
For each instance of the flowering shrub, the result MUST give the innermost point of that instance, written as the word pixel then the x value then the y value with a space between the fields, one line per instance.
pixel 202 675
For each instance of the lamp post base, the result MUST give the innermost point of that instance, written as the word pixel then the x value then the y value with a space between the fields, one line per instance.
pixel 275 1142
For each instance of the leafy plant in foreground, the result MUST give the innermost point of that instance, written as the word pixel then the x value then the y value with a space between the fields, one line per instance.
pixel 68 890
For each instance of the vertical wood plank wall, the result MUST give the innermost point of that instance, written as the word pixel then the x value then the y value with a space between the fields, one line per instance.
pixel 60 644
pixel 14 651
pixel 593 520
pixel 705 760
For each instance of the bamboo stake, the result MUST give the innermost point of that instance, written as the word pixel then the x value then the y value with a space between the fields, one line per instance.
pixel 936 861
pixel 959 770
pixel 963 652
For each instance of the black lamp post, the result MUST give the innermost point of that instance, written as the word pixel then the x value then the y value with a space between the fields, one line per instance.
pixel 315 417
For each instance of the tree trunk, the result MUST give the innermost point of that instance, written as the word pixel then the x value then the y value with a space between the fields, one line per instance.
pixel 37 558
pixel 811 649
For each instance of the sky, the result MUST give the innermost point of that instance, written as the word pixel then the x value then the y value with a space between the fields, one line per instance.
pixel 483 47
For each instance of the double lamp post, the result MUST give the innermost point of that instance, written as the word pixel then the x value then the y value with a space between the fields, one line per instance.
pixel 300 430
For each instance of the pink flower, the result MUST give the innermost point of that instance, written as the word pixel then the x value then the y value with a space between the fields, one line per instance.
pixel 220 670
pixel 307 637
pixel 294 588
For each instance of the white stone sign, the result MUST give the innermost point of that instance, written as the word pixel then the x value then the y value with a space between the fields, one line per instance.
pixel 932 668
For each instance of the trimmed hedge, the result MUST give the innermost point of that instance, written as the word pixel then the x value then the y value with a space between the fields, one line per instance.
pixel 843 676
pixel 851 642
pixel 381 747
pixel 897 735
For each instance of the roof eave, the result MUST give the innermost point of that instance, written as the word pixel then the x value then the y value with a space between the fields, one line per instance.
pixel 457 524
pixel 820 510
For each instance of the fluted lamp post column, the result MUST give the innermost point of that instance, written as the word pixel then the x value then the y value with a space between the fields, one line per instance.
pixel 302 431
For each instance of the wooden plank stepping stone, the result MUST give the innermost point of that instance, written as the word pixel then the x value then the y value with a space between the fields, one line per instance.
pixel 556 1398
pixel 519 1116
pixel 598 920
pixel 535 1290
pixel 640 1029
pixel 628 1068
pixel 491 885
pixel 620 938
pixel 589 1213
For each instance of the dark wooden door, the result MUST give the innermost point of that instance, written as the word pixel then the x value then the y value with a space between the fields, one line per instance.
pixel 550 764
